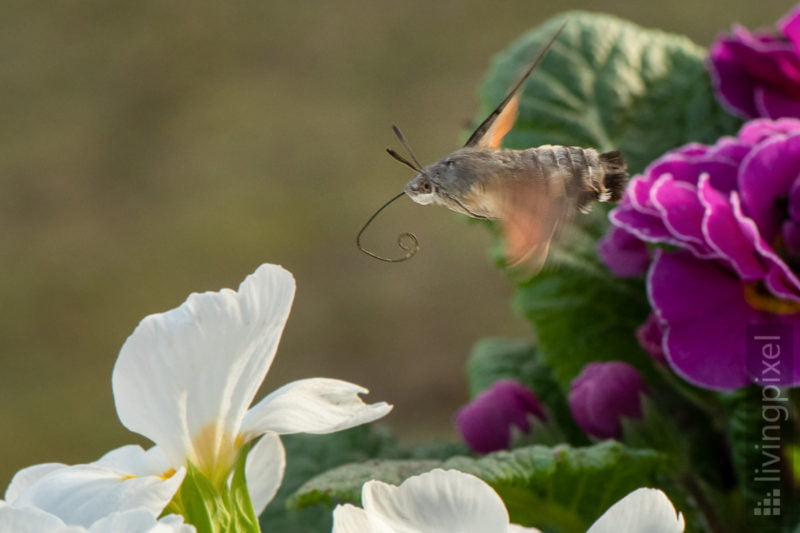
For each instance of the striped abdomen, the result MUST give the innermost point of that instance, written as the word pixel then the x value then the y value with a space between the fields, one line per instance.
pixel 588 175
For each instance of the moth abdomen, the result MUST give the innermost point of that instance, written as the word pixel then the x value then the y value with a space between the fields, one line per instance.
pixel 615 174
pixel 588 176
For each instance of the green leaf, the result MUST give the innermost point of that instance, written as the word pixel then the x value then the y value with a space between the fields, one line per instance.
pixel 493 359
pixel 759 430
pixel 308 456
pixel 580 311
pixel 611 85
pixel 582 314
pixel 560 488
pixel 343 484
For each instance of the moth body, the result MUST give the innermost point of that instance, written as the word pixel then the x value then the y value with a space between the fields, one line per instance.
pixel 471 180
pixel 532 193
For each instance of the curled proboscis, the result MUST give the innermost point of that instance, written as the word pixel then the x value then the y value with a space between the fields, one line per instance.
pixel 406 241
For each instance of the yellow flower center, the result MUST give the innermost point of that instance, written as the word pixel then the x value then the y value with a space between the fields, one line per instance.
pixel 165 475
pixel 758 297
pixel 215 452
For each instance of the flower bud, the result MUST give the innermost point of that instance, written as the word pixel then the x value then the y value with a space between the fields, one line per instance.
pixel 486 422
pixel 651 336
pixel 602 394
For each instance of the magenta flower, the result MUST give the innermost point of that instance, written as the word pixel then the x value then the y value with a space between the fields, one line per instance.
pixel 625 254
pixel 757 74
pixel 733 212
pixel 486 423
pixel 602 394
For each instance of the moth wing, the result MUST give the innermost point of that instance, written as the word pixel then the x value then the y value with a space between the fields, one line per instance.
pixel 531 209
pixel 491 131
pixel 500 126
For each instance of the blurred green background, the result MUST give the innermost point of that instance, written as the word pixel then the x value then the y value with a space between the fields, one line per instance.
pixel 151 149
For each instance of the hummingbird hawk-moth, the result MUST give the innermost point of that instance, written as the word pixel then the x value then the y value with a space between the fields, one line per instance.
pixel 531 193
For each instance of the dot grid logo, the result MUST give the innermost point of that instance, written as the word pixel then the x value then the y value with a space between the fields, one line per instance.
pixel 770 505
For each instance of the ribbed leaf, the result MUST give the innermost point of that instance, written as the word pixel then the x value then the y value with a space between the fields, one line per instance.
pixel 611 85
pixel 308 456
pixel 582 314
pixel 759 434
pixel 561 488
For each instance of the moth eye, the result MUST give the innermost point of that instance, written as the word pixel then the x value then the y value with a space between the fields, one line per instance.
pixel 449 163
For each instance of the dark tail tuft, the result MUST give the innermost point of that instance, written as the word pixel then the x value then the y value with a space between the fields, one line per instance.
pixel 616 176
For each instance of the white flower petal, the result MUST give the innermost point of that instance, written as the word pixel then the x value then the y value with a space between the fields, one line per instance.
pixel 514 528
pixel 185 378
pixel 437 501
pixel 32 520
pixel 350 519
pixel 264 470
pixel 173 522
pixel 315 405
pixel 27 477
pixel 29 520
pixel 134 460
pixel 642 511
pixel 83 494
pixel 140 521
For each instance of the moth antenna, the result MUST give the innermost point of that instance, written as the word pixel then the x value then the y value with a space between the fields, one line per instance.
pixel 486 124
pixel 403 160
pixel 406 241
pixel 405 144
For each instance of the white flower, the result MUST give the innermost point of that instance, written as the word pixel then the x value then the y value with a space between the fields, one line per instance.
pixel 435 502
pixel 32 520
pixel 124 479
pixel 185 379
pixel 141 522
pixel 449 500
pixel 642 511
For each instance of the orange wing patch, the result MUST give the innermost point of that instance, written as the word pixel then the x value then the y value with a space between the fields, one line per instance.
pixel 501 125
